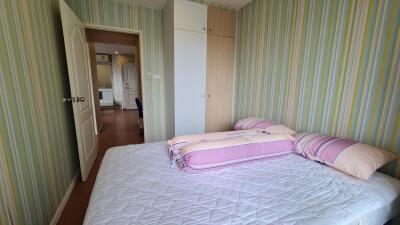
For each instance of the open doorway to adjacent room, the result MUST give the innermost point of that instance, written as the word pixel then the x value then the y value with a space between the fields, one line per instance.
pixel 116 74
pixel 115 66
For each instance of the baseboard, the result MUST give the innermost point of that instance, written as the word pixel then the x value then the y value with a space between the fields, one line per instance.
pixel 64 201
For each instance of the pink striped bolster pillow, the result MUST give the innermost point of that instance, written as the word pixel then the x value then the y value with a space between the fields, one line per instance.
pixel 177 143
pixel 222 153
pixel 356 159
pixel 269 126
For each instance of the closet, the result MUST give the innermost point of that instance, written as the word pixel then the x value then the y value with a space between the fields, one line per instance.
pixel 220 58
pixel 198 67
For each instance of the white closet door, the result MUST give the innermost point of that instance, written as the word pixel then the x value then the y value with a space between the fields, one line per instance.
pixel 190 81
pixel 190 16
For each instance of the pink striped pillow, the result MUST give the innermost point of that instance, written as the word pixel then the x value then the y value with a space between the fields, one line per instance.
pixel 356 159
pixel 202 156
pixel 268 126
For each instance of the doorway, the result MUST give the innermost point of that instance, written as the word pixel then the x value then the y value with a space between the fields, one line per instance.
pixel 116 74
pixel 114 125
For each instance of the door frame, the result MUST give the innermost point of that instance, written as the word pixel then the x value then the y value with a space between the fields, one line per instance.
pixel 142 76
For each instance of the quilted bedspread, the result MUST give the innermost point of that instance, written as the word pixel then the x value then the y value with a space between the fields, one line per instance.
pixel 137 185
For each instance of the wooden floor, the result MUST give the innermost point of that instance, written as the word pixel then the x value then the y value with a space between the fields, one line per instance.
pixel 119 128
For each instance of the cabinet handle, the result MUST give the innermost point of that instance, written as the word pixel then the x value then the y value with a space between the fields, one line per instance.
pixel 210 29
pixel 204 28
pixel 208 95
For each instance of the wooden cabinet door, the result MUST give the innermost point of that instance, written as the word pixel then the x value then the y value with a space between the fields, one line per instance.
pixel 220 54
pixel 221 22
pixel 190 16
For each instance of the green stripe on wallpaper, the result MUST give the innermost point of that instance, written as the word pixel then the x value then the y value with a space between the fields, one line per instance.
pixel 36 130
pixel 324 66
pixel 126 14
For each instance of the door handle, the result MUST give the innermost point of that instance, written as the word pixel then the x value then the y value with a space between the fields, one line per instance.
pixel 80 99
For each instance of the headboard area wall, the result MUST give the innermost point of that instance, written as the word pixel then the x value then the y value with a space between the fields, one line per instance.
pixel 325 66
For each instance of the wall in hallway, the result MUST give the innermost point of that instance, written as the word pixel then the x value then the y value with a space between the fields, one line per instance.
pixel 104 75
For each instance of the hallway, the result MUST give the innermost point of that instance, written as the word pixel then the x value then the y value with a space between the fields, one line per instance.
pixel 119 128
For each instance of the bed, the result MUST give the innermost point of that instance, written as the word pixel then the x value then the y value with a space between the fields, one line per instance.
pixel 137 185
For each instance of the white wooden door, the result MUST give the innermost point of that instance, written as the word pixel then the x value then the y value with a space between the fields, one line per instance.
pixel 190 81
pixel 190 16
pixel 80 84
pixel 130 86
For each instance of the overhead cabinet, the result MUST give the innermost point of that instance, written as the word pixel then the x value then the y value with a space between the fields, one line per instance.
pixel 196 86
pixel 221 22
pixel 190 16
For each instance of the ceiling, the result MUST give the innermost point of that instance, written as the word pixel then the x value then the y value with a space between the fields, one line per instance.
pixel 159 4
pixel 112 48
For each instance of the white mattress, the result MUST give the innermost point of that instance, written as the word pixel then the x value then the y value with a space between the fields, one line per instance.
pixel 136 185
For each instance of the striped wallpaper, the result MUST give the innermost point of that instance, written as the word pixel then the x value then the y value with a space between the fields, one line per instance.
pixel 329 66
pixel 126 14
pixel 38 157
pixel 323 65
